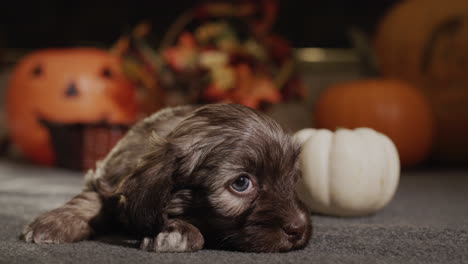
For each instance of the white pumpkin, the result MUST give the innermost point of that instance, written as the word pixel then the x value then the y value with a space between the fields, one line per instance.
pixel 347 172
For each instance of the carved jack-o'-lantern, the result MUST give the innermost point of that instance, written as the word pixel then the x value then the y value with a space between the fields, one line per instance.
pixel 425 42
pixel 65 86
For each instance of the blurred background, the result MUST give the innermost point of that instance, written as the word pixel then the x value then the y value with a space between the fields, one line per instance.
pixel 75 75
pixel 32 25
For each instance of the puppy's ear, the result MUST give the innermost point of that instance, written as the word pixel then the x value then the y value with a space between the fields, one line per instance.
pixel 145 193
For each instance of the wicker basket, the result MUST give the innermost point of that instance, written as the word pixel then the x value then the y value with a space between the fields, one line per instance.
pixel 78 146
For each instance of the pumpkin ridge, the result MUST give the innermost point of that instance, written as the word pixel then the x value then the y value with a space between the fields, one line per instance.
pixel 329 162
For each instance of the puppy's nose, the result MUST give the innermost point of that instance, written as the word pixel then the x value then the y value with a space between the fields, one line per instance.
pixel 295 229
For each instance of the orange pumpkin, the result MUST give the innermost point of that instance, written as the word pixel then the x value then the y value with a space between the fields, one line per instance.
pixel 392 107
pixel 425 42
pixel 79 85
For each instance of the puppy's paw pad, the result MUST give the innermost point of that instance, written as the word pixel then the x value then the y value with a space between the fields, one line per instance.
pixel 171 242
pixel 39 236
pixel 176 236
pixel 147 244
pixel 27 235
pixel 55 228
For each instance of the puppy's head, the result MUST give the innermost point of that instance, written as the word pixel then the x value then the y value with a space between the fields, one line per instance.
pixel 233 174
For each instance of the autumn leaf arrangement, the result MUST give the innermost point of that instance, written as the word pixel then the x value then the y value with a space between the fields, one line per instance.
pixel 213 53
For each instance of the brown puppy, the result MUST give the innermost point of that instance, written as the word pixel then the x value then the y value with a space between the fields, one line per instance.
pixel 217 176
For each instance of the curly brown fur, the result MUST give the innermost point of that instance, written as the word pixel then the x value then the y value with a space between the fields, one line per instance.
pixel 217 176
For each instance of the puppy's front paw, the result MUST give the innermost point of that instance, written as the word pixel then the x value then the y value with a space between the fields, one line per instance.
pixel 177 236
pixel 56 227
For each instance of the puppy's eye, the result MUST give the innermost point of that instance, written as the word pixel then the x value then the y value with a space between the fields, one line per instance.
pixel 242 184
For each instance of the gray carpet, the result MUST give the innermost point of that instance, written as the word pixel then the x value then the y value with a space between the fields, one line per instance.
pixel 427 222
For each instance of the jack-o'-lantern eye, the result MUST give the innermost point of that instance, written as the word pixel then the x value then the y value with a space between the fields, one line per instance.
pixel 37 70
pixel 71 90
pixel 107 73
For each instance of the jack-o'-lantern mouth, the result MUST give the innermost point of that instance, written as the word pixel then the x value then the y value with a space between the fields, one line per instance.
pixel 79 145
pixel 98 118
